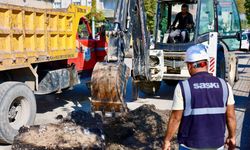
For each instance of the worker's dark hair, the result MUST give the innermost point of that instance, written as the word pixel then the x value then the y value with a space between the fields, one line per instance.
pixel 184 6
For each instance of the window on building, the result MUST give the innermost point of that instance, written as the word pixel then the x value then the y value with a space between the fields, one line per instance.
pixel 89 3
pixel 43 0
pixel 77 3
pixel 57 5
pixel 110 4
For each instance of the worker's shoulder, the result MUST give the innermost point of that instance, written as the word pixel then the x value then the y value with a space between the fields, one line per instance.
pixel 179 14
pixel 181 82
pixel 223 80
pixel 189 14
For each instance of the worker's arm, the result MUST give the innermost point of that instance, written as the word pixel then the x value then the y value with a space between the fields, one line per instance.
pixel 231 125
pixel 175 118
pixel 231 121
pixel 173 125
pixel 175 20
pixel 190 22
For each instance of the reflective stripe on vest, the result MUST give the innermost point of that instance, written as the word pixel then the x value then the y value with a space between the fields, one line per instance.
pixel 202 111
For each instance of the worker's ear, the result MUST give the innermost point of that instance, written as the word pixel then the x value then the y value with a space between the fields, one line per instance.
pixel 189 66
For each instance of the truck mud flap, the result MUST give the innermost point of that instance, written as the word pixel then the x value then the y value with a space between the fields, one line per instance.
pixel 108 87
pixel 57 80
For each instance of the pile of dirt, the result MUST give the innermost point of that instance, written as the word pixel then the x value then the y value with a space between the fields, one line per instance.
pixel 64 136
pixel 79 130
pixel 142 128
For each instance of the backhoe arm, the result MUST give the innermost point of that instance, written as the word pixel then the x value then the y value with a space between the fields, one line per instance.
pixel 130 20
pixel 109 79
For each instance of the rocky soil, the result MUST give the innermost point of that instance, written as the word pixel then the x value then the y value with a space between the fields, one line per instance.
pixel 143 128
pixel 65 136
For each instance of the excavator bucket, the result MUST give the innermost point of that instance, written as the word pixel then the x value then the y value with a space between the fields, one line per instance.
pixel 108 87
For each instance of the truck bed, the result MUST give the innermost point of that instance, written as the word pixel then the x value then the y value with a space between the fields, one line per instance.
pixel 31 35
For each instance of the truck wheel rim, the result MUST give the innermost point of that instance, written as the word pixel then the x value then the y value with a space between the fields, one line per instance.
pixel 18 112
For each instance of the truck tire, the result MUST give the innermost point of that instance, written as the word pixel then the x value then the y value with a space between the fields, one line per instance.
pixel 231 68
pixel 149 87
pixel 17 108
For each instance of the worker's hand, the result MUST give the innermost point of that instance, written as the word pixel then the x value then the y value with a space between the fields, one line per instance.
pixel 231 143
pixel 166 145
pixel 189 26
pixel 172 27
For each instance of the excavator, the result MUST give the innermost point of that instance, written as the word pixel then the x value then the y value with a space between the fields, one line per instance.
pixel 109 79
pixel 217 25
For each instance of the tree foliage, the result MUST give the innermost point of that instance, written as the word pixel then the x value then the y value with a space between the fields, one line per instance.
pixel 247 6
pixel 150 7
pixel 241 7
pixel 98 15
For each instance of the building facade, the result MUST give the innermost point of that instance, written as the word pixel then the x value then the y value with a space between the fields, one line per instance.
pixel 30 3
pixel 66 3
pixel 107 6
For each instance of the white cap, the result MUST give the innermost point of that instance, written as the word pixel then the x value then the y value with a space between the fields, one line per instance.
pixel 196 53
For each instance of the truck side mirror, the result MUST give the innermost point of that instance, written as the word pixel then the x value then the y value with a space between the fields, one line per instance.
pixel 238 35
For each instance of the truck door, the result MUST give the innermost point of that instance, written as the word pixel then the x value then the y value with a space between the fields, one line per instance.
pixel 229 24
pixel 85 45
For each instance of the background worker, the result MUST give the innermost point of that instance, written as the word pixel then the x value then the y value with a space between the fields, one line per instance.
pixel 185 23
pixel 202 107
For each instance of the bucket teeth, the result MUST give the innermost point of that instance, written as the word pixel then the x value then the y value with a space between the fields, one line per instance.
pixel 108 87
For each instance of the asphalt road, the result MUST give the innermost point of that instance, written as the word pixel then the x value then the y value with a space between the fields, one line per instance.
pixel 241 91
pixel 50 106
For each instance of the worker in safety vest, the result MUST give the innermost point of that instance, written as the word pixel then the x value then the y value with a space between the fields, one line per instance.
pixel 202 107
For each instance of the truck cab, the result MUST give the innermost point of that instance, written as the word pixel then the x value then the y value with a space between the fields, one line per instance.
pixel 216 24
pixel 88 49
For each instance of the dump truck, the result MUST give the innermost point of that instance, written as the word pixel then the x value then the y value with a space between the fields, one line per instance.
pixel 216 25
pixel 41 51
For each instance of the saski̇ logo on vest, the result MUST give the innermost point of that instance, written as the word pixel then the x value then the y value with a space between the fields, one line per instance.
pixel 206 85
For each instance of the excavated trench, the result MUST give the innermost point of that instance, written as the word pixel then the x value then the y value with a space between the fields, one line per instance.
pixel 142 128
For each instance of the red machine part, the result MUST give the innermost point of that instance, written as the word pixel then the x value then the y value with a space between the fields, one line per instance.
pixel 89 50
